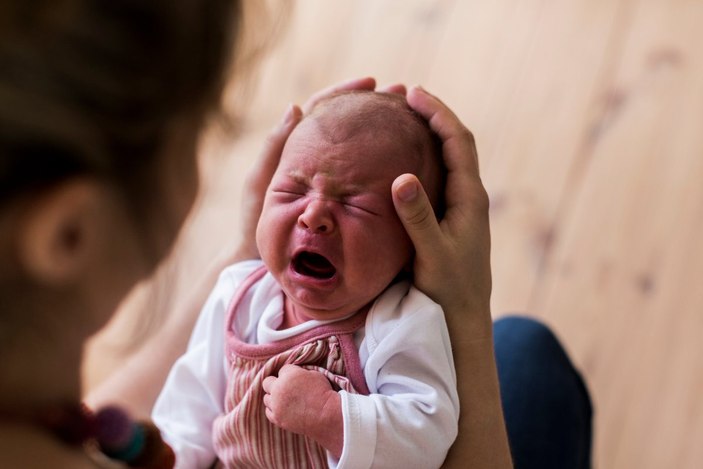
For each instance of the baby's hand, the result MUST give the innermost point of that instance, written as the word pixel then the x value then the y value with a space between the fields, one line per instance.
pixel 303 401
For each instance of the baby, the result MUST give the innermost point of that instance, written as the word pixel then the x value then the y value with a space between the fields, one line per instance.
pixel 328 356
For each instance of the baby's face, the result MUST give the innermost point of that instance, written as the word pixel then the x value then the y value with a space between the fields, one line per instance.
pixel 328 231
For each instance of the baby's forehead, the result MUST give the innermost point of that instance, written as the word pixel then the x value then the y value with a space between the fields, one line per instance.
pixel 370 120
pixel 363 154
pixel 355 113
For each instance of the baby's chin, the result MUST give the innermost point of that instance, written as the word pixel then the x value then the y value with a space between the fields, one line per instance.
pixel 309 310
pixel 308 313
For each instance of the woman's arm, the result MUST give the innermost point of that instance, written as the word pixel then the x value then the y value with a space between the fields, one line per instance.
pixel 452 266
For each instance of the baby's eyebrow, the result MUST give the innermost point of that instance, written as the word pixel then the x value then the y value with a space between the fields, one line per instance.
pixel 337 188
pixel 352 190
pixel 298 177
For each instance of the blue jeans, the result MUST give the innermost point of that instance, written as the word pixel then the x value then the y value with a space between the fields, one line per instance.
pixel 546 404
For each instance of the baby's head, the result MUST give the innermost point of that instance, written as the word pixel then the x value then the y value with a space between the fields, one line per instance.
pixel 328 231
pixel 373 120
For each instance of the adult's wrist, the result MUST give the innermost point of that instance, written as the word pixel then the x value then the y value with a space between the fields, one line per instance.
pixel 468 321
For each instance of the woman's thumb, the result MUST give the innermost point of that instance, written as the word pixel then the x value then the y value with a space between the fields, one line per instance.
pixel 415 212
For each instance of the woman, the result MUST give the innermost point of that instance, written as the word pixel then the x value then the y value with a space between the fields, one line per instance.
pixel 101 104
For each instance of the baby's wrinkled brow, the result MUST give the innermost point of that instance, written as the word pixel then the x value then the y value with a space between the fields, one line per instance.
pixel 331 186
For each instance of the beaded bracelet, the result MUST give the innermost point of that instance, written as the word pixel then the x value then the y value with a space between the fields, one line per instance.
pixel 116 435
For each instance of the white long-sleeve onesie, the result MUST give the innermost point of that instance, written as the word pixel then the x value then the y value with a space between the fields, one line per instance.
pixel 409 419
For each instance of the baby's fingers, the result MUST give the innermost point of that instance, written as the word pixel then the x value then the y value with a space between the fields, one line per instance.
pixel 267 384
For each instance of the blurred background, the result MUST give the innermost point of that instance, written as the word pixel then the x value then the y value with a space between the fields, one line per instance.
pixel 588 116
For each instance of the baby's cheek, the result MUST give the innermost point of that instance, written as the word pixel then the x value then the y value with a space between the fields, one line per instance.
pixel 269 240
pixel 397 237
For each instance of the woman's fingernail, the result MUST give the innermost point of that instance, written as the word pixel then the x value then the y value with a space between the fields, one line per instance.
pixel 407 191
pixel 290 112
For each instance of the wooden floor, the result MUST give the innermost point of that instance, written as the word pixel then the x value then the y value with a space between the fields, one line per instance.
pixel 589 120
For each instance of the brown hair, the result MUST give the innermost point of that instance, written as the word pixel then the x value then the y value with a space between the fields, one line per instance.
pixel 88 87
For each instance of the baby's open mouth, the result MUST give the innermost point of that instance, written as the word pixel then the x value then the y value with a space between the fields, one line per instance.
pixel 313 265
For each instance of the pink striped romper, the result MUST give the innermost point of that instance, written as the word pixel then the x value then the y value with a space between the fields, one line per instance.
pixel 243 436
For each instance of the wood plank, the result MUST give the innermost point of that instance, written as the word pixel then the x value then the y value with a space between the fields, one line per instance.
pixel 330 41
pixel 522 75
pixel 622 283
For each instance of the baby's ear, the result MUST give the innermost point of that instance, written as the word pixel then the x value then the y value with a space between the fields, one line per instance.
pixel 59 232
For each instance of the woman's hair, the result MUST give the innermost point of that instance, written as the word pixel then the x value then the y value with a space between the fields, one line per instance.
pixel 89 87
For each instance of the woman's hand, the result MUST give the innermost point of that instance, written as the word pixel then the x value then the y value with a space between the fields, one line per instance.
pixel 257 181
pixel 452 263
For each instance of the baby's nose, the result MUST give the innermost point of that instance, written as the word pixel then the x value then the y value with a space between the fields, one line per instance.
pixel 317 217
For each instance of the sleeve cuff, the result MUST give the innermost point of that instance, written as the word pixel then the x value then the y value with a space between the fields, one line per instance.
pixel 359 414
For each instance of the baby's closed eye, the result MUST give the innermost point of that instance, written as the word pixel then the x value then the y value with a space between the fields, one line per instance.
pixel 289 191
pixel 363 204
